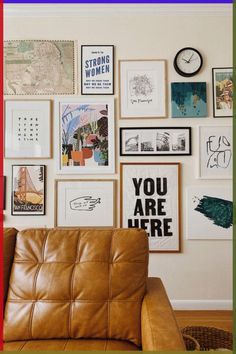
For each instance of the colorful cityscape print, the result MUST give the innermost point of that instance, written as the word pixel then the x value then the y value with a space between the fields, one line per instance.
pixel 84 134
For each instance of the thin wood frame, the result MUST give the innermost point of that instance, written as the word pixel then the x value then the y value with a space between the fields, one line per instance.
pixel 213 92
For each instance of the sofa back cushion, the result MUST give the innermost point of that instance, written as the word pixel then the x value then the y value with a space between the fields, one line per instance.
pixel 77 283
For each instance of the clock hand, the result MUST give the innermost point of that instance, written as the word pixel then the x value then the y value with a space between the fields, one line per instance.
pixel 185 60
pixel 190 58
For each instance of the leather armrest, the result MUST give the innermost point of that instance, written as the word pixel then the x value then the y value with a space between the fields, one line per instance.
pixel 159 328
pixel 9 241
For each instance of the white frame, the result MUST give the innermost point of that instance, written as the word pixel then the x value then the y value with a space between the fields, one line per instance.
pixel 111 140
pixel 28 150
pixel 159 109
pixel 106 217
pixel 220 113
pixel 199 173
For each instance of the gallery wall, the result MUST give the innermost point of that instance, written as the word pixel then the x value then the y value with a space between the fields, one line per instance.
pixel 200 277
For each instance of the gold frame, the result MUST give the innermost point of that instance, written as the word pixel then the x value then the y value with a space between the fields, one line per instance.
pixel 114 181
pixel 165 88
pixel 179 199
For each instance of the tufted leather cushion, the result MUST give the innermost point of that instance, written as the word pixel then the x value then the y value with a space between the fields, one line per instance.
pixel 79 283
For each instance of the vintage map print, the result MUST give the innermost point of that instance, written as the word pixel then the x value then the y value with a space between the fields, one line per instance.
pixel 38 67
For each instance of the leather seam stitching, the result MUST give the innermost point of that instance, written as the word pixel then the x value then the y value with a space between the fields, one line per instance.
pixel 22 346
pixel 109 287
pixel 153 337
pixel 66 342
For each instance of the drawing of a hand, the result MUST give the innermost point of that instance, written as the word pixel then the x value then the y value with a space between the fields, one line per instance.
pixel 86 203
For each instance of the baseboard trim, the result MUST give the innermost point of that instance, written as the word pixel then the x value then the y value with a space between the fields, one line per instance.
pixel 202 304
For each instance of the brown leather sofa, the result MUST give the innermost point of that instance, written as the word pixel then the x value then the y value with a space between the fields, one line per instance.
pixel 84 289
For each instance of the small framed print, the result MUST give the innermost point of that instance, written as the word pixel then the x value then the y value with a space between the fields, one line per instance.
pixel 150 199
pixel 222 81
pixel 142 88
pixel 172 141
pixel 28 189
pixel 215 152
pixel 97 70
pixel 28 129
pixel 85 203
pixel 84 140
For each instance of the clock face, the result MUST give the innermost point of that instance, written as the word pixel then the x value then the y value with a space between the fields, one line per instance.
pixel 188 62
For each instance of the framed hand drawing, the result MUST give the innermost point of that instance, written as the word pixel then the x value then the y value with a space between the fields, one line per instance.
pixel 39 67
pixel 150 199
pixel 85 203
pixel 84 135
pixel 142 88
pixel 172 141
pixel 97 70
pixel 28 129
pixel 210 213
pixel 28 189
pixel 222 82
pixel 215 152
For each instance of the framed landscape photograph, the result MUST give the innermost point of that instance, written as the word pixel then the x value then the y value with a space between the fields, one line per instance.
pixel 215 152
pixel 39 67
pixel 210 213
pixel 188 99
pixel 143 141
pixel 84 140
pixel 28 129
pixel 97 70
pixel 85 203
pixel 150 199
pixel 28 189
pixel 142 88
pixel 222 81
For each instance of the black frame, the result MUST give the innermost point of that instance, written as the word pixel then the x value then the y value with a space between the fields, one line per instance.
pixel 180 72
pixel 113 65
pixel 157 153
pixel 44 192
pixel 213 91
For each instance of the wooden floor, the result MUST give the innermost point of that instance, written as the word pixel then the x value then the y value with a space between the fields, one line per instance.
pixel 218 319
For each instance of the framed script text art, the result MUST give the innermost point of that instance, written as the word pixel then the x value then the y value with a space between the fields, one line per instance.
pixel 85 203
pixel 28 189
pixel 39 67
pixel 142 88
pixel 84 135
pixel 215 152
pixel 97 70
pixel 155 141
pixel 222 81
pixel 150 199
pixel 28 129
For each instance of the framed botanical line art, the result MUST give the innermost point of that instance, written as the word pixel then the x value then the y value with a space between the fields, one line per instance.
pixel 85 203
pixel 84 140
pixel 28 189
pixel 143 141
pixel 39 67
pixel 215 152
pixel 222 82
pixel 150 199
pixel 28 129
pixel 210 213
pixel 142 88
pixel 97 70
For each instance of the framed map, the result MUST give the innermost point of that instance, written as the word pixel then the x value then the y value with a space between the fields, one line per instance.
pixel 38 67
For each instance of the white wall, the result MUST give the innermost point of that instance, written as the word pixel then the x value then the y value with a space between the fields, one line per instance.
pixel 203 271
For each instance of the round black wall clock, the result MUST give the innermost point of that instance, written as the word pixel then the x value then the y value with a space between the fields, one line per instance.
pixel 188 62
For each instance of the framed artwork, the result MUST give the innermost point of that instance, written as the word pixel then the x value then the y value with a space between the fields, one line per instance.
pixel 150 199
pixel 97 70
pixel 188 99
pixel 155 141
pixel 28 189
pixel 142 88
pixel 215 152
pixel 222 82
pixel 210 213
pixel 28 129
pixel 85 203
pixel 39 67
pixel 84 135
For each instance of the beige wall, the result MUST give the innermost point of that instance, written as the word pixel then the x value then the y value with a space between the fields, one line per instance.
pixel 203 271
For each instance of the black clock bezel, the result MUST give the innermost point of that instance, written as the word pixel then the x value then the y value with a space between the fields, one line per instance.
pixel 179 71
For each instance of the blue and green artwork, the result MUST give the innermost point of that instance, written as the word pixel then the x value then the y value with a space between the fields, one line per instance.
pixel 188 99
